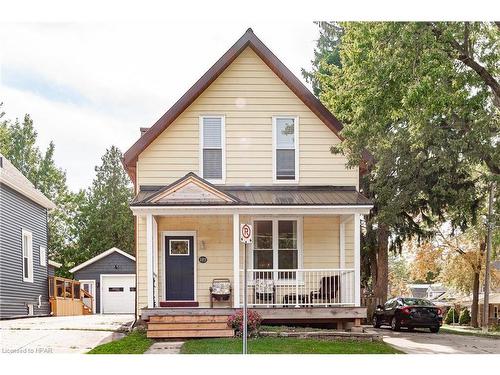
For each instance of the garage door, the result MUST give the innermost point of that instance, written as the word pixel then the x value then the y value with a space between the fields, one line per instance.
pixel 118 294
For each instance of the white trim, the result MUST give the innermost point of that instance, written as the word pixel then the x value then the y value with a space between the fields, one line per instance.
pixel 93 295
pixel 12 177
pixel 29 235
pixel 236 260
pixel 43 259
pixel 250 210
pixel 275 249
pixel 149 260
pixel 112 275
pixel 342 243
pixel 178 255
pixel 97 257
pixel 55 264
pixel 155 263
pixel 174 233
pixel 296 148
pixel 357 260
pixel 223 147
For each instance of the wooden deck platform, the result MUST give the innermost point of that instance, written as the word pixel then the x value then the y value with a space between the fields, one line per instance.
pixel 282 314
pixel 181 322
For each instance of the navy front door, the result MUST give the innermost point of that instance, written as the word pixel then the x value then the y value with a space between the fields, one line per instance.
pixel 179 265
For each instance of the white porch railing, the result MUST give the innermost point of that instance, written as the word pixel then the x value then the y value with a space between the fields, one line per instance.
pixel 299 287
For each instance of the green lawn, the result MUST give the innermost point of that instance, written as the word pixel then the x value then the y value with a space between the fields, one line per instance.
pixel 276 345
pixel 135 342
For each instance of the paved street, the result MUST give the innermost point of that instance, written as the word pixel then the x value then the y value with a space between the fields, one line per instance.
pixel 424 342
pixel 68 334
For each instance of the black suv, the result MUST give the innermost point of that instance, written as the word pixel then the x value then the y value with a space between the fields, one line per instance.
pixel 408 312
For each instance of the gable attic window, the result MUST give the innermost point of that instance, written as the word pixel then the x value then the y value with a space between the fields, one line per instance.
pixel 212 153
pixel 285 153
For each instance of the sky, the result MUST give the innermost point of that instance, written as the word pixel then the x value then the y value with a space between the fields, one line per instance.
pixel 88 86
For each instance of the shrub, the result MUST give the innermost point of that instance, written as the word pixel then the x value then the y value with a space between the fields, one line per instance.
pixel 451 316
pixel 254 319
pixel 464 317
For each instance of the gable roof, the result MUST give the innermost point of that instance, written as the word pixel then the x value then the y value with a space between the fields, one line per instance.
pixel 249 39
pixel 12 177
pixel 211 192
pixel 101 256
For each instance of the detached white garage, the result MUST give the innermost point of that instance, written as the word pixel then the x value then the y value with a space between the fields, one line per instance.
pixel 117 294
pixel 110 278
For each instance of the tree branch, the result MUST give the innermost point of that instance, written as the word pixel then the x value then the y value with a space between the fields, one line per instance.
pixel 468 60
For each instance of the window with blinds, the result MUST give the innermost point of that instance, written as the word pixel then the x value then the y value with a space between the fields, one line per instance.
pixel 285 148
pixel 212 147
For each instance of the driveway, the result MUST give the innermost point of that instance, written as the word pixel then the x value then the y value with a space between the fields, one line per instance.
pixel 64 334
pixel 424 342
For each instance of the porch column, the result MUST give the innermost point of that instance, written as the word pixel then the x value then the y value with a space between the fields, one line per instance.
pixel 155 263
pixel 150 258
pixel 357 260
pixel 236 260
pixel 344 276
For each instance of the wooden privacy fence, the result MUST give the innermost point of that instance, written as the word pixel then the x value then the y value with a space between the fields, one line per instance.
pixel 66 298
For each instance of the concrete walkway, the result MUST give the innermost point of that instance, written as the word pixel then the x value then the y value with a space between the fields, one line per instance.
pixel 65 334
pixel 424 342
pixel 165 347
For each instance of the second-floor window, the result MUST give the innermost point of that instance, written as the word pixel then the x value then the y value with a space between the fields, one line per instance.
pixel 212 148
pixel 285 149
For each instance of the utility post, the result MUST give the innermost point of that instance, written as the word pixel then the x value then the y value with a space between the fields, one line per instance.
pixel 246 236
pixel 490 224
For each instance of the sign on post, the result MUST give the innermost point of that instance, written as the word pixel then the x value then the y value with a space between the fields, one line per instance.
pixel 246 233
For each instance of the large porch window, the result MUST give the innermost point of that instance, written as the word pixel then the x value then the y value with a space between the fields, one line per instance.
pixel 276 247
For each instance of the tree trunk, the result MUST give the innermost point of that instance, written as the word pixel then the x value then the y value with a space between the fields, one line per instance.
pixel 475 299
pixel 382 281
pixel 475 287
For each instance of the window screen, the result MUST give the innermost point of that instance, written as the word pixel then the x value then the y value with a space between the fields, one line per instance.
pixel 212 147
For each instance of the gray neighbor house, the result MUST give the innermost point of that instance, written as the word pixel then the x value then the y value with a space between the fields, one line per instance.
pixel 24 265
pixel 110 278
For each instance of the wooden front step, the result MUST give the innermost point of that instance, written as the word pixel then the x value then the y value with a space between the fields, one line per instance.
pixel 179 326
pixel 188 326
pixel 188 319
pixel 190 333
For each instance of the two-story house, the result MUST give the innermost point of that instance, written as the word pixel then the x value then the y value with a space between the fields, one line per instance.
pixel 24 266
pixel 247 143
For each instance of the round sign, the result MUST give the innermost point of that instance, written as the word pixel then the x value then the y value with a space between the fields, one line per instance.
pixel 202 259
pixel 246 233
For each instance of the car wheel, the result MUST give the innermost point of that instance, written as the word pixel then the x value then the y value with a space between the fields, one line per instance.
pixel 376 322
pixel 395 325
pixel 434 329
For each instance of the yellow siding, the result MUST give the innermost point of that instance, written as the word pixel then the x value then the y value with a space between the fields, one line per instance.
pixel 321 249
pixel 214 240
pixel 248 93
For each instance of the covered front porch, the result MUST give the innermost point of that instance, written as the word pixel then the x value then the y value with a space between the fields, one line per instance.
pixel 305 260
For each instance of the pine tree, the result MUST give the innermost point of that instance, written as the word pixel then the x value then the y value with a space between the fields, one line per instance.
pixel 106 220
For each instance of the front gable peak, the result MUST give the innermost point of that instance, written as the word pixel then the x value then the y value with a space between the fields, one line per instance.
pixel 248 40
pixel 191 189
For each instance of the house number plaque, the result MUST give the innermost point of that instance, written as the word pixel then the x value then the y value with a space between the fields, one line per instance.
pixel 202 259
